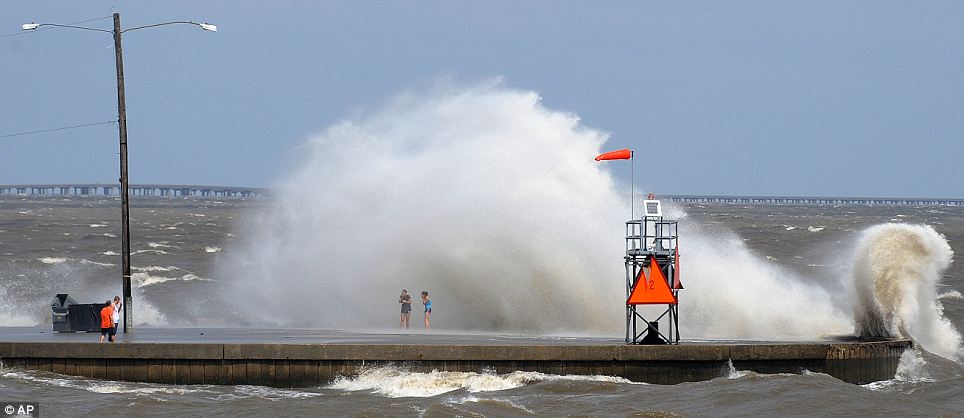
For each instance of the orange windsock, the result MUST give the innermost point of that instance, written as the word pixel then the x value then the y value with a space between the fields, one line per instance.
pixel 623 154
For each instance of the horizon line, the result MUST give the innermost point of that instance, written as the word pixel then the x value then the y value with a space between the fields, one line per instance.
pixel 667 195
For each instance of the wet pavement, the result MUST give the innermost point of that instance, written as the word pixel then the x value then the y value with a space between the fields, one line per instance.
pixel 151 335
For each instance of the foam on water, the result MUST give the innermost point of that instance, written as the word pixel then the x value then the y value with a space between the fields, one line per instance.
pixel 732 373
pixel 506 404
pixel 264 392
pixel 161 392
pixel 155 268
pixel 149 251
pixel 96 263
pixel 951 294
pixel 143 279
pixel 398 382
pixel 92 385
pixel 912 369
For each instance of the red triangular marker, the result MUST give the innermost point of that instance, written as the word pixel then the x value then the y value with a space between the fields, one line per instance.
pixel 651 292
pixel 642 283
pixel 676 283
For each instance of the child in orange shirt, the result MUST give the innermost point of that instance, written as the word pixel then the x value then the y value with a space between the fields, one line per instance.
pixel 107 322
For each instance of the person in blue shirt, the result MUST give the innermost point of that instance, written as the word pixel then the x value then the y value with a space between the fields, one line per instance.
pixel 428 308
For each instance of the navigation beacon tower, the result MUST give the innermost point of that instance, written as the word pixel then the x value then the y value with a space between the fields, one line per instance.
pixel 652 277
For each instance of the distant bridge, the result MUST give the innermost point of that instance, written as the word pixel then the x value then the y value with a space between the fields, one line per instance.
pixel 798 200
pixel 178 190
pixel 98 189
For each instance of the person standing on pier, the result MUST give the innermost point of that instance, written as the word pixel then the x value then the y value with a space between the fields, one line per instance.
pixel 406 300
pixel 428 307
pixel 115 316
pixel 107 321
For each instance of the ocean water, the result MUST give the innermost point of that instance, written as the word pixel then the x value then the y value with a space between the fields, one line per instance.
pixel 52 245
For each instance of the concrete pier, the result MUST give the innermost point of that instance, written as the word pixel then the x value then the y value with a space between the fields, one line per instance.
pixel 301 358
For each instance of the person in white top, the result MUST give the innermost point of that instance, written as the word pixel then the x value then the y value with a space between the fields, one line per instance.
pixel 116 316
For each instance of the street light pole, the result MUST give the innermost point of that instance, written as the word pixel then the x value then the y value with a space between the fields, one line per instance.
pixel 122 132
pixel 125 205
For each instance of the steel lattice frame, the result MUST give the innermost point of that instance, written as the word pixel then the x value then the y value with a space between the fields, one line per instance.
pixel 651 238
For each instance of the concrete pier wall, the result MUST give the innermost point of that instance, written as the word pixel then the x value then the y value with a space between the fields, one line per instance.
pixel 302 365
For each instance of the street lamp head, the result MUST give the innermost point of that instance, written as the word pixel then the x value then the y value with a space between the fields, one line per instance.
pixel 30 26
pixel 208 26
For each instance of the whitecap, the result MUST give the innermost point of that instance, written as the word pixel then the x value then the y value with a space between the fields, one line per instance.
pixel 212 249
pixel 395 382
pixel 150 251
pixel 732 373
pixel 952 294
pixel 98 225
pixel 144 279
pixel 815 229
pixel 154 268
pixel 52 260
pixel 97 386
pixel 109 253
pixel 910 368
pixel 475 399
pixel 192 276
pixel 263 392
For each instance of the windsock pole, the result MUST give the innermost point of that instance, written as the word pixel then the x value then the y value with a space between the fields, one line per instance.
pixel 625 154
pixel 632 185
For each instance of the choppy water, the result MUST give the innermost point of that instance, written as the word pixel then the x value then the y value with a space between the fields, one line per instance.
pixel 53 245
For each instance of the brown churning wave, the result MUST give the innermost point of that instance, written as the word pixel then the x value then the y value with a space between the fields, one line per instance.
pixel 896 271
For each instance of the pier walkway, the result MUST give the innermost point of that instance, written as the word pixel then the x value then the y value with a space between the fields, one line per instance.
pixel 300 358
